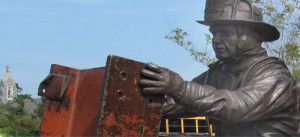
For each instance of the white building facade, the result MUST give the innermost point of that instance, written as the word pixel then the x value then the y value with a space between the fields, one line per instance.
pixel 8 89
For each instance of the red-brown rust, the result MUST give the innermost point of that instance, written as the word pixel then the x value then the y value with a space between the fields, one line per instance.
pixel 74 114
pixel 73 98
pixel 57 84
pixel 125 111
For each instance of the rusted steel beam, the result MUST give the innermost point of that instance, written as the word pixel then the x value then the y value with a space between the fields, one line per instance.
pixel 79 104
pixel 72 100
pixel 124 110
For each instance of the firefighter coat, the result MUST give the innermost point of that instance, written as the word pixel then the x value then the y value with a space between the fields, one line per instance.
pixel 254 95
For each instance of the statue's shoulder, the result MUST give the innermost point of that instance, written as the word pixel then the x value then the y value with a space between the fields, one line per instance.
pixel 264 64
pixel 202 78
pixel 214 65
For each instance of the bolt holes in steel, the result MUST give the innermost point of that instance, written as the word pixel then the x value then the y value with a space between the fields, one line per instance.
pixel 149 101
pixel 120 94
pixel 123 75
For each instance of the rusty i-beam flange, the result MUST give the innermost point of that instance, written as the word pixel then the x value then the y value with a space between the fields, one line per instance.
pixel 124 110
pixel 72 100
pixel 76 99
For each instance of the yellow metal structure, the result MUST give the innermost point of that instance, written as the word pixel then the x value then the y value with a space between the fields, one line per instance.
pixel 191 126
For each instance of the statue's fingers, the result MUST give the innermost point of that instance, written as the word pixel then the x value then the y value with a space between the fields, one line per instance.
pixel 153 90
pixel 154 67
pixel 152 83
pixel 152 74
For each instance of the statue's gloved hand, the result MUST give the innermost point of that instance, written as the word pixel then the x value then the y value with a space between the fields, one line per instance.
pixel 162 81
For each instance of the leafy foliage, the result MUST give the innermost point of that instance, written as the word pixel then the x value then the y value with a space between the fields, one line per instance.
pixel 38 112
pixel 25 126
pixel 284 14
pixel 15 121
pixel 179 36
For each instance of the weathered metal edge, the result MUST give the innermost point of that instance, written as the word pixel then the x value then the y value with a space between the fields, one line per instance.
pixel 103 95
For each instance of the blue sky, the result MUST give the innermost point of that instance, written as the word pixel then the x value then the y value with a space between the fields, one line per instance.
pixel 81 34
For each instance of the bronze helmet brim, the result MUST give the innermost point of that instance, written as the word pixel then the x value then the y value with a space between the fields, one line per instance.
pixel 267 31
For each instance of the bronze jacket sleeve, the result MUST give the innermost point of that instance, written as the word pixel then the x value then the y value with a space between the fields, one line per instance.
pixel 173 110
pixel 269 91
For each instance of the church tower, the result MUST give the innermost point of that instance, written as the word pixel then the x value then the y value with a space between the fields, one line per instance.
pixel 8 89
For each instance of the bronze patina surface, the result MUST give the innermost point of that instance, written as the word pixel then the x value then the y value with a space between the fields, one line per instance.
pixel 244 93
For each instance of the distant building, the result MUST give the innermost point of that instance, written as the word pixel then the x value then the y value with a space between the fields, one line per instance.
pixel 8 89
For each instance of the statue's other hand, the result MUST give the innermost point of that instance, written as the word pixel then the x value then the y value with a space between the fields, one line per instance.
pixel 160 80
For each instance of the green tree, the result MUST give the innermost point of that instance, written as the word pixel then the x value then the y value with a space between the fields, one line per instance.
pixel 15 121
pixel 180 37
pixel 284 14
pixel 38 112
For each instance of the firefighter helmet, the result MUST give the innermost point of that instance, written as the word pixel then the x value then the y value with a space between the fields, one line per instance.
pixel 222 12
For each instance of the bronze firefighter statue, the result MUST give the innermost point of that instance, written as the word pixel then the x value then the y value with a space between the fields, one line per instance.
pixel 244 93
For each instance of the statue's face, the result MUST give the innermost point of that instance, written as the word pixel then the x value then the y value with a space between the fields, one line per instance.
pixel 225 41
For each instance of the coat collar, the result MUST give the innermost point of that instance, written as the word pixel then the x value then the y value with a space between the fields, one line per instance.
pixel 241 63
